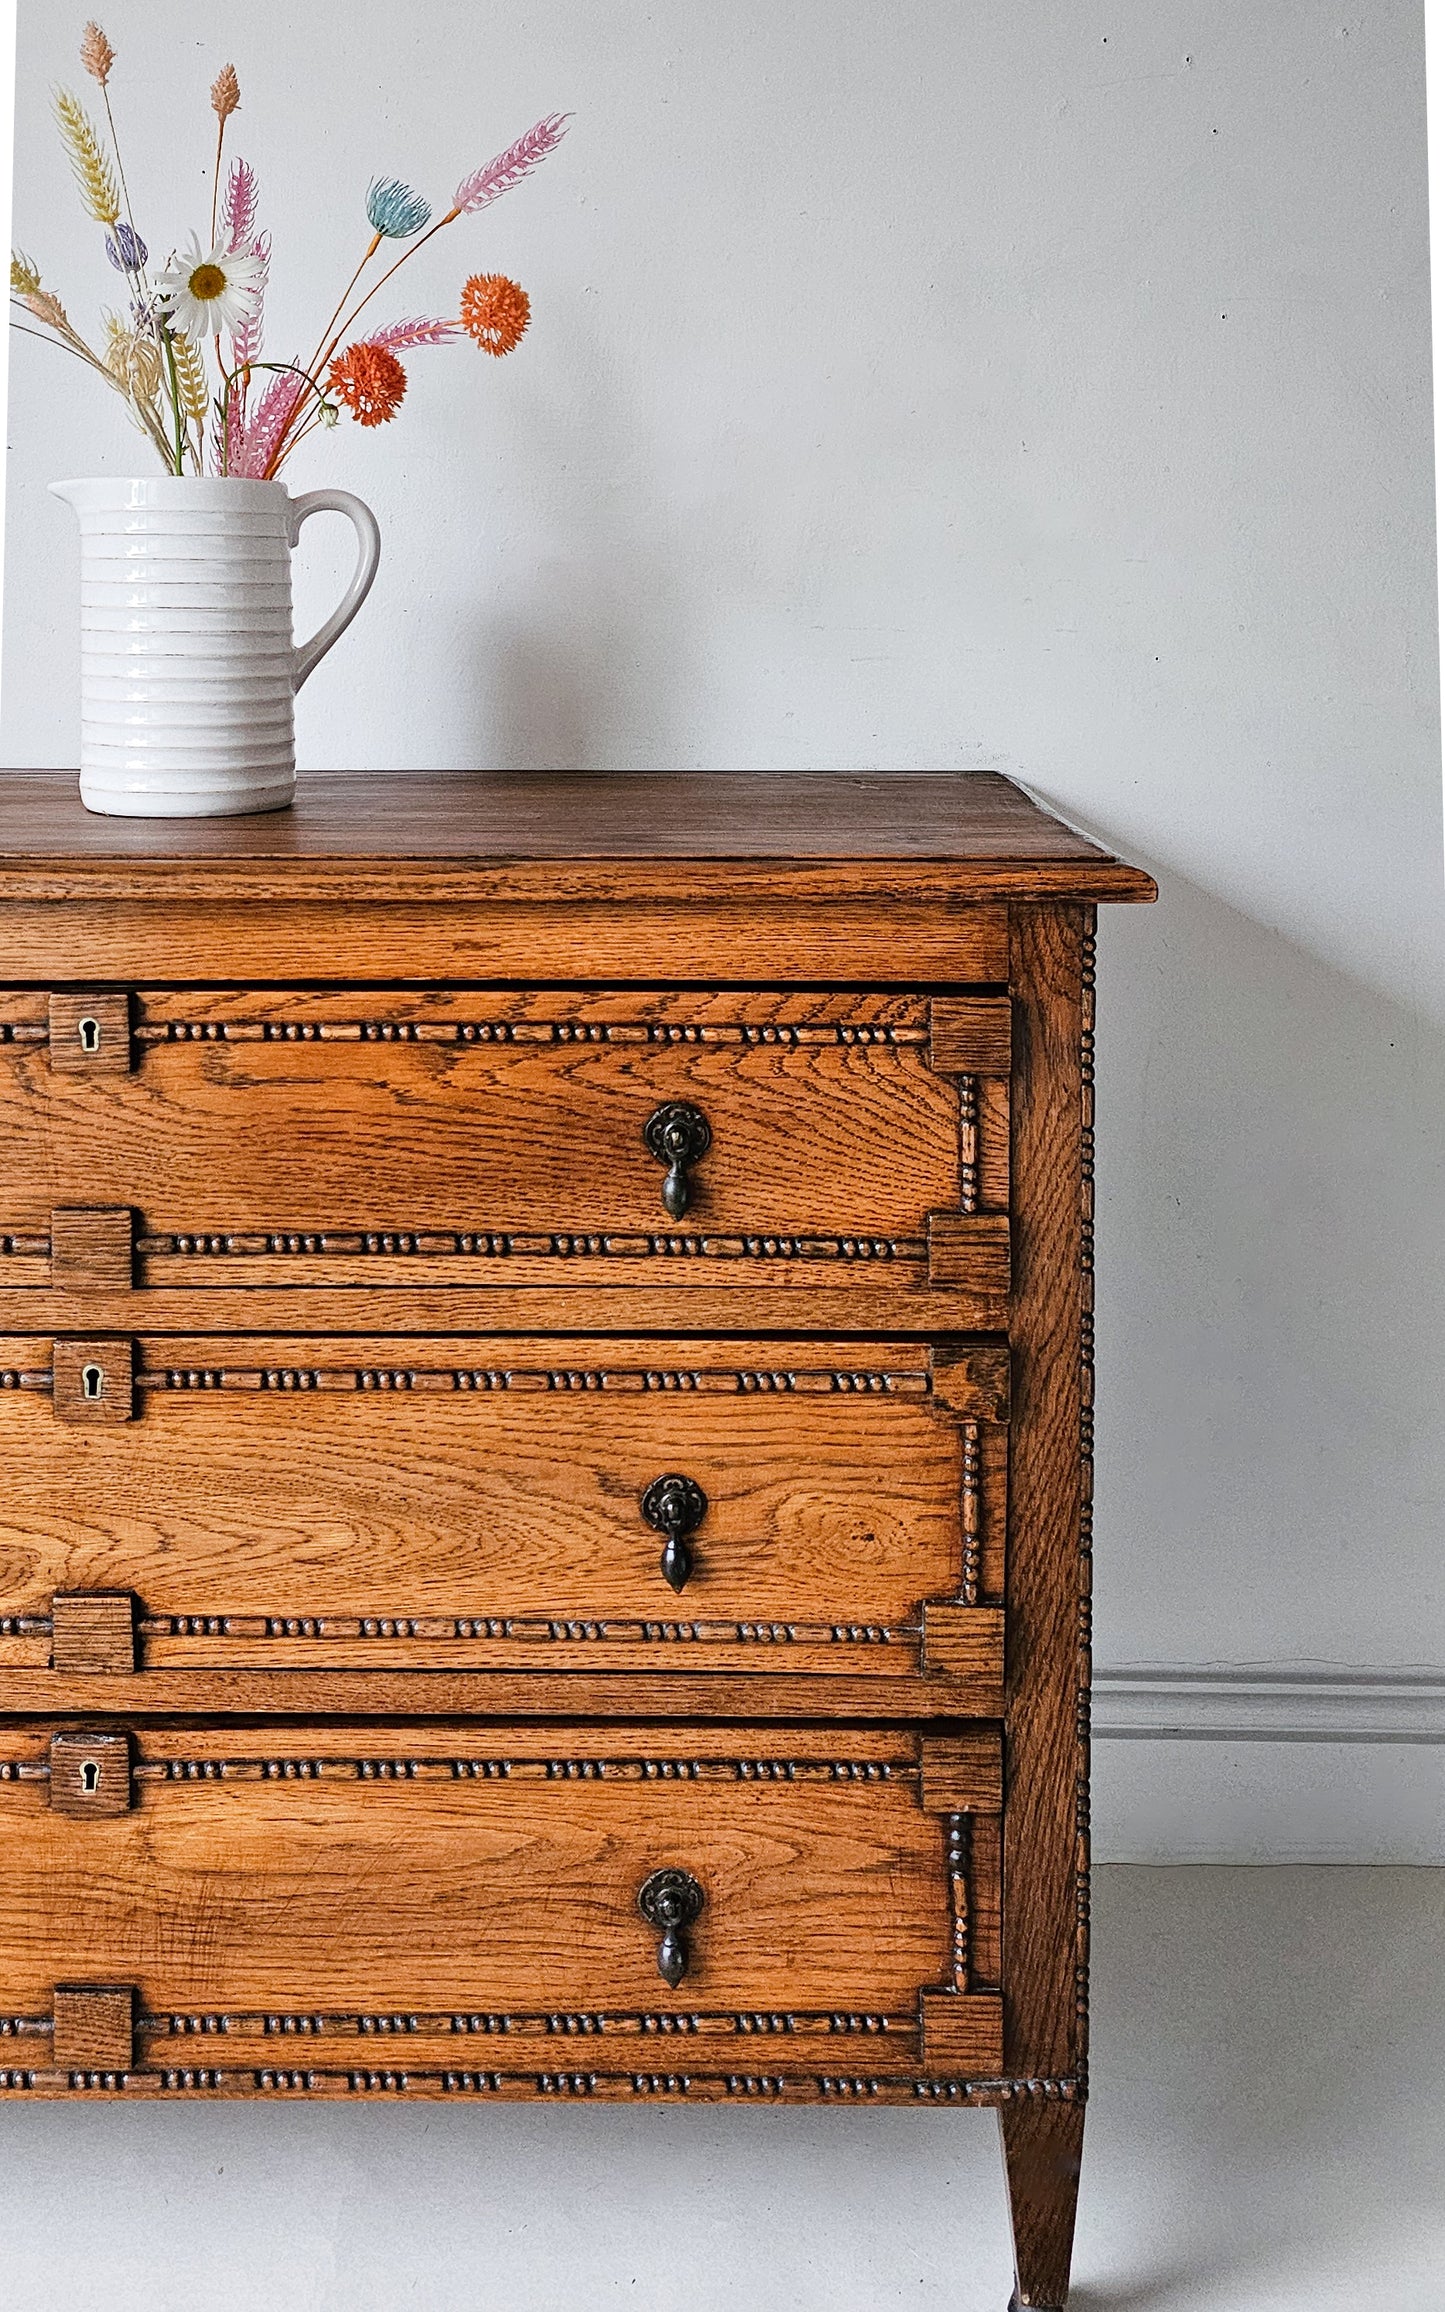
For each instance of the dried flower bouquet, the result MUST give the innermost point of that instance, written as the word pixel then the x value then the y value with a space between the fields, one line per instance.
pixel 155 353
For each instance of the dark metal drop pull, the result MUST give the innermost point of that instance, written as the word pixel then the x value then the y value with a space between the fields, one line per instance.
pixel 675 1506
pixel 671 1901
pixel 678 1135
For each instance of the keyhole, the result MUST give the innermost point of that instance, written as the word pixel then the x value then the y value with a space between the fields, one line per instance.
pixel 89 1032
pixel 89 1777
pixel 92 1381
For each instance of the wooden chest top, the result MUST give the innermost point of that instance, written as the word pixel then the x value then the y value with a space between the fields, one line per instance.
pixel 565 834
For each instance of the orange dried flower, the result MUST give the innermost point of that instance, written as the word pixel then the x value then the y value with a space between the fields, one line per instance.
pixel 371 382
pixel 495 311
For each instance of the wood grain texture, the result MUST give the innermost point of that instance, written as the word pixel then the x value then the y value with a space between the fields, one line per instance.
pixel 1045 1815
pixel 90 1775
pixel 92 1382
pixel 310 1188
pixel 93 2027
pixel 876 1299
pixel 89 1032
pixel 92 1633
pixel 213 936
pixel 551 1691
pixel 329 1134
pixel 625 835
pixel 430 1503
pixel 91 1249
pixel 440 1871
pixel 1043 2140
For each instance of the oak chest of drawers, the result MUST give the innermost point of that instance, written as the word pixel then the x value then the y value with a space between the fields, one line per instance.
pixel 545 1402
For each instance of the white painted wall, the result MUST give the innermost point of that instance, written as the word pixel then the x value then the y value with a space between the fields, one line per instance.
pixel 1026 383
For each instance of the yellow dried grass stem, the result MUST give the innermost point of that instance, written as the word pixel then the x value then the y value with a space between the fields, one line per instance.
pixel 191 377
pixel 89 165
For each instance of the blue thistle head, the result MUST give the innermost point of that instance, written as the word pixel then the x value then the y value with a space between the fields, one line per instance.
pixel 125 249
pixel 396 210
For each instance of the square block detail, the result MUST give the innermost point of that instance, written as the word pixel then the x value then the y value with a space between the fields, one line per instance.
pixel 90 1034
pixel 962 1641
pixel 92 1248
pixel 970 1249
pixel 971 1035
pixel 93 1381
pixel 94 2027
pixel 962 1773
pixel 90 1775
pixel 962 2032
pixel 93 1630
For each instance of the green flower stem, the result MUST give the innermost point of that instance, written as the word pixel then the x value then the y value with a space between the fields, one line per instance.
pixel 175 395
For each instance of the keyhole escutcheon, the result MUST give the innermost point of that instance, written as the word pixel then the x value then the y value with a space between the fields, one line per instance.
pixel 89 1776
pixel 92 1382
pixel 88 1031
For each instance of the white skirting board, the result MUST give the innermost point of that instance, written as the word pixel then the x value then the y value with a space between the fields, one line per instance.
pixel 1196 1763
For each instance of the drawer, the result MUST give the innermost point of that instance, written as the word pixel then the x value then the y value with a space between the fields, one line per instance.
pixel 343 1909
pixel 303 1503
pixel 460 1136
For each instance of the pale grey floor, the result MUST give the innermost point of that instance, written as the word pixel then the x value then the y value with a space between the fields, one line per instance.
pixel 1267 2135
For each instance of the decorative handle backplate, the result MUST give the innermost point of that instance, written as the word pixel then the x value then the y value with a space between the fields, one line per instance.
pixel 678 1135
pixel 671 1901
pixel 674 1506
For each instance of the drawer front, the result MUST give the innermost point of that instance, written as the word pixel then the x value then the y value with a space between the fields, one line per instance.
pixel 337 1908
pixel 450 1503
pixel 466 1136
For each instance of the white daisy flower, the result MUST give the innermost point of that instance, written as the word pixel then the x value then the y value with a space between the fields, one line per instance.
pixel 206 293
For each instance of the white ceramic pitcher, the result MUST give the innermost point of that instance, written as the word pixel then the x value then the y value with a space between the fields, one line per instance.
pixel 189 669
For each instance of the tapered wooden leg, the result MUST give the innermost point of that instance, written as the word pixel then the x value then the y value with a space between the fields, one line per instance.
pixel 1042 2144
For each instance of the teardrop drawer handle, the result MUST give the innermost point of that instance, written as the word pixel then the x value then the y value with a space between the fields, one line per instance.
pixel 675 1506
pixel 671 1901
pixel 678 1135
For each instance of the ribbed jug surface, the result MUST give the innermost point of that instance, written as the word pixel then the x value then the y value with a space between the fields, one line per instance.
pixel 188 657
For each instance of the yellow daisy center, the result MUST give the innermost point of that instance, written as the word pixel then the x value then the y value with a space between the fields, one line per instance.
pixel 207 282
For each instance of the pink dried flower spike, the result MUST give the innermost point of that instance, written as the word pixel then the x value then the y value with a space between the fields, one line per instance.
pixel 488 184
pixel 238 214
pixel 398 335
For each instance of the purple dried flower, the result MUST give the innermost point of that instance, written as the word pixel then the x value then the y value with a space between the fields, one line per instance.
pixel 125 248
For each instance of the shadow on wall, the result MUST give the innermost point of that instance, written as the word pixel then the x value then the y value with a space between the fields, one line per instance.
pixel 1271 1174
pixel 584 662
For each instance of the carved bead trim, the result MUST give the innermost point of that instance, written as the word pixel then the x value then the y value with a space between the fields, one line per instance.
pixel 427 1244
pixel 968 1143
pixel 1082 1808
pixel 25 1247
pixel 508 1770
pixel 15 1032
pixel 957 1836
pixel 724 2023
pixel 609 2086
pixel 718 1380
pixel 43 1382
pixel 530 1629
pixel 971 1511
pixel 789 1036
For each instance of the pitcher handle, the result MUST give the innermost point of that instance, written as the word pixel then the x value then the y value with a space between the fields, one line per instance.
pixel 310 654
